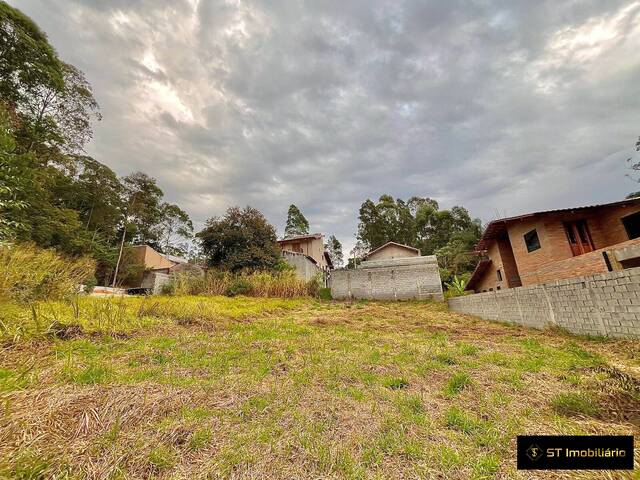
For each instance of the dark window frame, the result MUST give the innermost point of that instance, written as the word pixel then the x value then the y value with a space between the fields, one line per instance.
pixel 626 220
pixel 499 274
pixel 532 241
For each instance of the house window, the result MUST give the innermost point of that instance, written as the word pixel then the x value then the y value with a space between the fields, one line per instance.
pixel 579 237
pixel 632 225
pixel 532 241
pixel 499 273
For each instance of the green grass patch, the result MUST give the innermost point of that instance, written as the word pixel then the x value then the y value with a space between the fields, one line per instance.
pixel 570 404
pixel 458 382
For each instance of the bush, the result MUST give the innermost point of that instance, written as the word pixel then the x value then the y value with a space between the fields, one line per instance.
pixel 283 284
pixel 29 273
pixel 324 294
pixel 240 286
pixel 167 289
pixel 456 288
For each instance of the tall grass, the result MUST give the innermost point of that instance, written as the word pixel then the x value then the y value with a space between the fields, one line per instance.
pixel 256 284
pixel 29 273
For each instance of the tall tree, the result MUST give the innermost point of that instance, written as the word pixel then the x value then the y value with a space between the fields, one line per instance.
pixel 297 224
pixel 177 230
pixel 334 249
pixel 143 205
pixel 450 234
pixel 241 239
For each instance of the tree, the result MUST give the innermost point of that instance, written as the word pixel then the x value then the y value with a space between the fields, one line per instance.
pixel 357 254
pixel 16 182
pixel 635 166
pixel 334 249
pixel 241 239
pixel 143 208
pixel 177 230
pixel 53 99
pixel 297 224
pixel 449 234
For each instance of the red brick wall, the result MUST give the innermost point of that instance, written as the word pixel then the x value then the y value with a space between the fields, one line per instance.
pixel 490 278
pixel 583 265
pixel 605 227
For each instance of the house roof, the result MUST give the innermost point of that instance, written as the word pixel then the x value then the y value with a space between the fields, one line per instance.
pixel 173 258
pixel 496 227
pixel 327 258
pixel 389 244
pixel 301 237
pixel 481 267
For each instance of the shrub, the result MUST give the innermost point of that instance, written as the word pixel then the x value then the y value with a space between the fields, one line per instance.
pixel 240 286
pixel 29 273
pixel 324 294
pixel 167 289
pixel 283 284
pixel 456 287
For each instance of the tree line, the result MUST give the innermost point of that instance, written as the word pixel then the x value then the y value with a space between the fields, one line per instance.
pixel 54 195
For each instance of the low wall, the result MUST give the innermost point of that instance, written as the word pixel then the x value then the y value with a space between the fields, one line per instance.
pixel 398 279
pixel 604 304
pixel 305 269
pixel 154 281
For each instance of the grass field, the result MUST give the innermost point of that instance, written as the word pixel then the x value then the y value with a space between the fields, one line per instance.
pixel 188 387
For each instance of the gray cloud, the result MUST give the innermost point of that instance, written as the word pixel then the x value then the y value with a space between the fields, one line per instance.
pixel 502 107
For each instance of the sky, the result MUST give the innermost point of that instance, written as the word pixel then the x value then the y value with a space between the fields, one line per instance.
pixel 502 107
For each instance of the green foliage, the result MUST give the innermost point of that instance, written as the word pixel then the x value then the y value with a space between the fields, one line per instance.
pixel 457 383
pixel 297 224
pixel 28 273
pixel 396 383
pixel 50 193
pixel 239 286
pixel 457 287
pixel 324 294
pixel 334 249
pixel 574 404
pixel 449 234
pixel 242 239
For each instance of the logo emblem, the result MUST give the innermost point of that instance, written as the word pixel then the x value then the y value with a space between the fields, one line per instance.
pixel 534 452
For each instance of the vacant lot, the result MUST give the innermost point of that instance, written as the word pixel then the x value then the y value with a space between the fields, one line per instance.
pixel 215 387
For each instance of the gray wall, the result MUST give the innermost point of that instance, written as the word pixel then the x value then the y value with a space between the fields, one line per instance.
pixel 305 268
pixel 605 304
pixel 398 279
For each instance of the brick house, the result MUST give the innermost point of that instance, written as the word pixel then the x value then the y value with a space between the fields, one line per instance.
pixel 554 245
pixel 392 250
pixel 307 254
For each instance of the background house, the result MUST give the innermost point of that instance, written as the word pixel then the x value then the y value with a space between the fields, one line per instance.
pixel 390 272
pixel 559 244
pixel 149 269
pixel 306 254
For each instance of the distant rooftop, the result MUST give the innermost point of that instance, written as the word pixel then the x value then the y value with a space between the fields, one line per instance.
pixel 302 237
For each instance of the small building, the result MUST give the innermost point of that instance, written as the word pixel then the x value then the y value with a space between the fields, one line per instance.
pixel 307 254
pixel 551 245
pixel 391 250
pixel 149 269
pixel 392 271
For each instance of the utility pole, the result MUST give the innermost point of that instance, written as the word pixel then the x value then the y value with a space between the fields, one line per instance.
pixel 115 274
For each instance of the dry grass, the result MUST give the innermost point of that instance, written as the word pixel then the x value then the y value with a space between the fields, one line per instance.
pixel 257 284
pixel 258 388
pixel 30 273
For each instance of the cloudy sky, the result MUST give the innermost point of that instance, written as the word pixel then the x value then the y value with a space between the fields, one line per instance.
pixel 502 107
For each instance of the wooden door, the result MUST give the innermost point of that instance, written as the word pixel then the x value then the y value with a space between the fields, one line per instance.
pixel 579 237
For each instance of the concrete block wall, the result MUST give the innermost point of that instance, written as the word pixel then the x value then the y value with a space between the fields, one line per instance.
pixel 398 279
pixel 605 304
